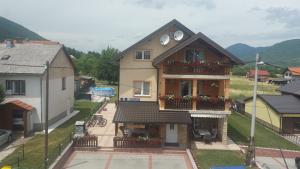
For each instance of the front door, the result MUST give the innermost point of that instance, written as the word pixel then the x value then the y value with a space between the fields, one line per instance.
pixel 171 133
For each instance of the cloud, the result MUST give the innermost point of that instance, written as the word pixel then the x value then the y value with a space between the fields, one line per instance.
pixel 158 4
pixel 286 16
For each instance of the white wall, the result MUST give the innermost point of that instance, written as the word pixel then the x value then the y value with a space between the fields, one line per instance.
pixel 58 98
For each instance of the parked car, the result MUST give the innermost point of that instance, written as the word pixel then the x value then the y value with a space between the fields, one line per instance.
pixel 5 136
pixel 297 162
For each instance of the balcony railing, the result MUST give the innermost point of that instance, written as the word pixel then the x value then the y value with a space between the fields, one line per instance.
pixel 195 68
pixel 210 104
pixel 201 102
pixel 178 103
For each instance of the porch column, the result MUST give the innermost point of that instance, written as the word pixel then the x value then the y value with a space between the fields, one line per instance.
pixel 162 93
pixel 194 93
pixel 224 130
pixel 226 93
pixel 116 128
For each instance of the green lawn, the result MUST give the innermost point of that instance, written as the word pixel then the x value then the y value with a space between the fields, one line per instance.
pixel 34 148
pixel 209 158
pixel 239 132
pixel 241 88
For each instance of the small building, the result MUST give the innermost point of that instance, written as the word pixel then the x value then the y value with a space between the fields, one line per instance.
pixel 23 76
pixel 281 113
pixel 262 75
pixel 291 73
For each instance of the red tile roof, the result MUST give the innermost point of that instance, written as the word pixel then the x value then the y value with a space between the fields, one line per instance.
pixel 294 70
pixel 259 73
pixel 21 104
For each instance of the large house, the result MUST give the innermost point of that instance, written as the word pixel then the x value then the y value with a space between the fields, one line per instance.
pixel 279 112
pixel 23 75
pixel 174 83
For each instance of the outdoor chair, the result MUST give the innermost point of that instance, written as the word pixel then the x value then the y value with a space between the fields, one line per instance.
pixel 214 135
pixel 196 135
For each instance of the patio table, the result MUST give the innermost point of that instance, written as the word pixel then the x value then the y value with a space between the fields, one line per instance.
pixel 203 132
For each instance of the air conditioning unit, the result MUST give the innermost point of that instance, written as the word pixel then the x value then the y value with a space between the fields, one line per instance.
pixel 8 92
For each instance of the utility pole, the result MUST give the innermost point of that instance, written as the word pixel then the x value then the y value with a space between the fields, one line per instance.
pixel 250 156
pixel 46 115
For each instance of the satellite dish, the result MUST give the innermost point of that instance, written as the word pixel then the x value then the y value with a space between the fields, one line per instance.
pixel 178 35
pixel 164 39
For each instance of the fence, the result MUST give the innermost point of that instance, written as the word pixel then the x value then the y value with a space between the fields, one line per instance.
pixel 127 142
pixel 86 141
pixel 293 138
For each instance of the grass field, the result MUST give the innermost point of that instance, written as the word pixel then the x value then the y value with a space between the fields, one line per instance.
pixel 208 158
pixel 239 132
pixel 34 148
pixel 241 88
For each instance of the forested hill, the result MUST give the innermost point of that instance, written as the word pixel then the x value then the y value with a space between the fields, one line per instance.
pixel 12 30
pixel 286 53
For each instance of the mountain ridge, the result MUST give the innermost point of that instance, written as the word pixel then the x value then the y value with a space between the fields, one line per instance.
pixel 285 53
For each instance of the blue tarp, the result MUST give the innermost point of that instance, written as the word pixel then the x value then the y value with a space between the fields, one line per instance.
pixel 229 167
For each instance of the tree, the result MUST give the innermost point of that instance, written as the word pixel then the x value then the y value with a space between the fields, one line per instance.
pixel 107 68
pixel 2 94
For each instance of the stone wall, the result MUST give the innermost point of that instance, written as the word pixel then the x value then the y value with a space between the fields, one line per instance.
pixel 182 135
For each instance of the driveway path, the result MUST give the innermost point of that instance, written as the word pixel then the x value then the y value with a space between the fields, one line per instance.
pixel 105 134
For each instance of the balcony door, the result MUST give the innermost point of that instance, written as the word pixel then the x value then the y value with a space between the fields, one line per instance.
pixel 185 88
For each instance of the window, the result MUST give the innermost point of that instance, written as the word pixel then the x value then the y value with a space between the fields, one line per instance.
pixel 193 55
pixel 172 127
pixel 63 83
pixel 142 55
pixel 141 88
pixel 15 87
pixel 296 126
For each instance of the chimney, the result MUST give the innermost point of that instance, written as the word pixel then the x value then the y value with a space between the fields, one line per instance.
pixel 9 43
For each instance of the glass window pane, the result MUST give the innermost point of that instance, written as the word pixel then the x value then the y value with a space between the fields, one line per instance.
pixel 146 88
pixel 146 54
pixel 16 87
pixel 8 85
pixel 137 88
pixel 22 88
pixel 139 55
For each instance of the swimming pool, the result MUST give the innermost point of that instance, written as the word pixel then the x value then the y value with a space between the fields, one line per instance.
pixel 103 91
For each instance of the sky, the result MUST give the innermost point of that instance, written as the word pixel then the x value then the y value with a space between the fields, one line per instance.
pixel 92 25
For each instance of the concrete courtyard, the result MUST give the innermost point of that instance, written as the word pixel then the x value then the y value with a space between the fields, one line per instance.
pixel 126 160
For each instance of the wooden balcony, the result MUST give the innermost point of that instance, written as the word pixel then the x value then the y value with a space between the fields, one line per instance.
pixel 195 68
pixel 210 104
pixel 178 103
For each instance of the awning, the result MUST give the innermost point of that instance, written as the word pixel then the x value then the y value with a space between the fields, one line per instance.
pixel 209 114
pixel 20 104
pixel 148 112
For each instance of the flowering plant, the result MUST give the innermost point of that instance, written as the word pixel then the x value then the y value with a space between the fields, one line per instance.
pixel 187 97
pixel 221 98
pixel 170 97
pixel 205 98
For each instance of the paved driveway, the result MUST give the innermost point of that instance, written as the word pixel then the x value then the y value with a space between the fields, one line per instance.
pixel 124 160
pixel 276 162
pixel 105 134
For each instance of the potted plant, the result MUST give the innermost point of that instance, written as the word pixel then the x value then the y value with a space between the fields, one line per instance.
pixel 170 97
pixel 187 98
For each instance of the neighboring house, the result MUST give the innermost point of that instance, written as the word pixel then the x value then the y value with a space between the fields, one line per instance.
pixel 23 75
pixel 171 86
pixel 292 72
pixel 262 75
pixel 280 112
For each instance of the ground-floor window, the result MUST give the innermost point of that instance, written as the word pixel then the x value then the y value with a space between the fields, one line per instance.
pixel 297 126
